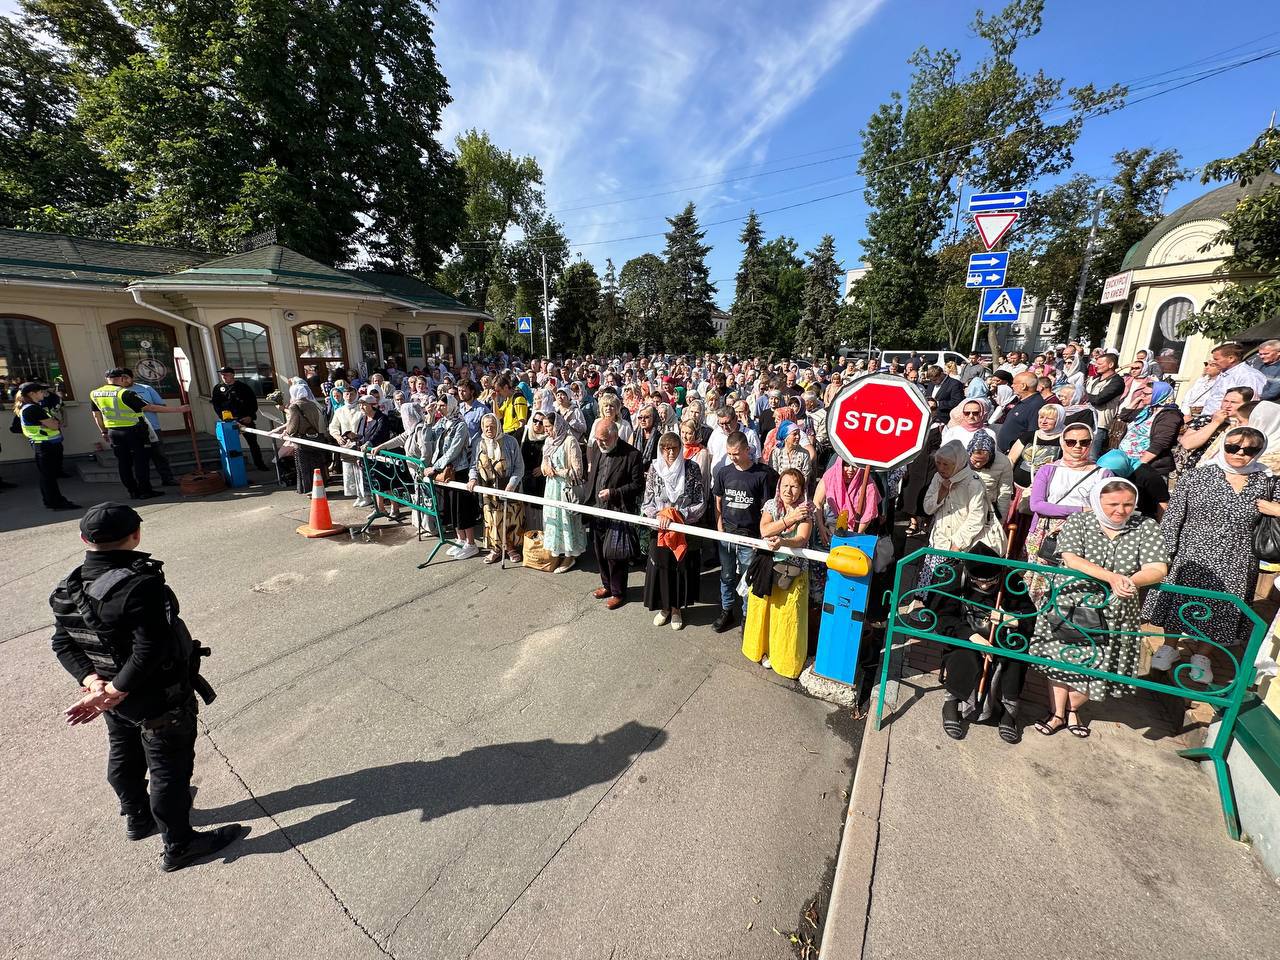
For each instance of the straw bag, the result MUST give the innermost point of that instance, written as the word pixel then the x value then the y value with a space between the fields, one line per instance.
pixel 536 556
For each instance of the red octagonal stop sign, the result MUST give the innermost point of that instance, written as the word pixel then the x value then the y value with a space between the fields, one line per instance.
pixel 878 421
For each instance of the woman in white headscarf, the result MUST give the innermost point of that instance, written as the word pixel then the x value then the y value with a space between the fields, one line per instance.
pixel 962 513
pixel 458 508
pixel 563 533
pixel 304 420
pixel 418 441
pixel 673 493
pixel 496 462
pixel 1094 621
pixel 1208 530
pixel 565 406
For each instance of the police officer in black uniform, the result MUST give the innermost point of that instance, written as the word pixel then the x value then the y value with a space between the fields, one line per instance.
pixel 118 633
pixel 233 397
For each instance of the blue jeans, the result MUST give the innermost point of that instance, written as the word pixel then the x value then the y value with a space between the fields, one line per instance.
pixel 734 561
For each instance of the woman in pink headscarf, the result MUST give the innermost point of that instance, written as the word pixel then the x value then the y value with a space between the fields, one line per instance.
pixel 846 489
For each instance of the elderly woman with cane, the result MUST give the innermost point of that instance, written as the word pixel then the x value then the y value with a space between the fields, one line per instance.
pixel 496 462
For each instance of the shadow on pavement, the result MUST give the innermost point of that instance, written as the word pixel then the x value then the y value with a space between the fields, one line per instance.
pixel 492 775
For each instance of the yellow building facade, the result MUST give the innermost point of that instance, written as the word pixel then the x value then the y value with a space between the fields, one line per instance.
pixel 72 308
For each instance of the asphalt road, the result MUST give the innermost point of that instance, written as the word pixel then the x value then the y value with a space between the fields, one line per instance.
pixel 460 762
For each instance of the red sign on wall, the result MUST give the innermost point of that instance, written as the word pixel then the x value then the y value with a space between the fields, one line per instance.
pixel 878 421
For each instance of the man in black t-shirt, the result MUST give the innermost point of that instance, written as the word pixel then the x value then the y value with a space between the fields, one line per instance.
pixel 741 488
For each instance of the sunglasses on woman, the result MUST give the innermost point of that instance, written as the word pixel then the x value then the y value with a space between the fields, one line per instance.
pixel 1239 448
pixel 1076 443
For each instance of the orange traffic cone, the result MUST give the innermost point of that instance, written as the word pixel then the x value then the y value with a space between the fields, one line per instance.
pixel 320 524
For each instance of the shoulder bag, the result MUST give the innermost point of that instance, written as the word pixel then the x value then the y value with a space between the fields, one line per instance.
pixel 1266 538
pixel 1050 555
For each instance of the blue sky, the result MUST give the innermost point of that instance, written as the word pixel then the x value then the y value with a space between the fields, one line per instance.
pixel 621 100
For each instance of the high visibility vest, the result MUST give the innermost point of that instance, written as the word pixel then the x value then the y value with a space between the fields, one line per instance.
pixel 38 433
pixel 115 413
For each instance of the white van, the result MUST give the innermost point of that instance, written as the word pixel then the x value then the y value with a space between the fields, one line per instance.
pixel 930 357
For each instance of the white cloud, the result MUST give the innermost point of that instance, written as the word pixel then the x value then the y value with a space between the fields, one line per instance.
pixel 620 100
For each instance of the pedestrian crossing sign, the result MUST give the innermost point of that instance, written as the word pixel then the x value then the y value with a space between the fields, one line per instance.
pixel 524 325
pixel 1001 304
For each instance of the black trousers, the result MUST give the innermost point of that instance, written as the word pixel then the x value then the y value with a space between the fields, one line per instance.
pixel 254 449
pixel 964 667
pixel 613 573
pixel 132 447
pixel 165 748
pixel 49 463
pixel 161 460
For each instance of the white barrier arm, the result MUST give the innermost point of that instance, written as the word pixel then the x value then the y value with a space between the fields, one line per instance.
pixel 819 555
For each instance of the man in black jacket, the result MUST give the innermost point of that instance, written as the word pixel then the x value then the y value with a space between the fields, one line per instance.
pixel 615 481
pixel 1023 410
pixel 947 391
pixel 238 399
pixel 118 633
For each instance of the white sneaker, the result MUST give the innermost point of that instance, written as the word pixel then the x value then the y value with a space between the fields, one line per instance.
pixel 677 620
pixel 764 662
pixel 453 551
pixel 468 551
pixel 660 619
pixel 361 502
pixel 1201 670
pixel 1165 657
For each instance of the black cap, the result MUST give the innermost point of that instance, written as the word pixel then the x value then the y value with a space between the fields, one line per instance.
pixel 226 370
pixel 109 522
pixel 118 372
pixel 32 386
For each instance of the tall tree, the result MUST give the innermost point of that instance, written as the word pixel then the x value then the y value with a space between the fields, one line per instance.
pixel 784 281
pixel 320 120
pixel 751 316
pixel 1252 292
pixel 640 286
pixel 816 335
pixel 991 124
pixel 686 291
pixel 51 178
pixel 577 301
pixel 609 331
pixel 503 192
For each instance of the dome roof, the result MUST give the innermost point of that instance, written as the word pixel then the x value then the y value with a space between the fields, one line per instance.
pixel 1211 206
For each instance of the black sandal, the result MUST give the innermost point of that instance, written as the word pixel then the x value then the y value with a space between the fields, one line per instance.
pixel 1077 729
pixel 951 720
pixel 1043 725
pixel 1009 732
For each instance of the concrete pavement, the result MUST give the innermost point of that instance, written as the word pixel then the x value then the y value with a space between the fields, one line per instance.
pixel 450 763
pixel 1111 847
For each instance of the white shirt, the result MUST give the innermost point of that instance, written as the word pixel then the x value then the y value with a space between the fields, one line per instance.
pixel 718 447
pixel 1241 375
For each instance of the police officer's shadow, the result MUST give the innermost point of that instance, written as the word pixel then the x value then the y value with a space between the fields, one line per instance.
pixel 493 775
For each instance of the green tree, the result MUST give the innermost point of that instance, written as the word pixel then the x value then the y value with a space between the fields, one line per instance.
pixel 640 286
pixel 320 120
pixel 750 330
pixel 50 176
pixel 609 330
pixel 816 334
pixel 686 291
pixel 577 302
pixel 503 192
pixel 784 281
pixel 990 125
pixel 1252 292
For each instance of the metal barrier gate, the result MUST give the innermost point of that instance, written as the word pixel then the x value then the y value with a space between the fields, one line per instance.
pixel 1064 596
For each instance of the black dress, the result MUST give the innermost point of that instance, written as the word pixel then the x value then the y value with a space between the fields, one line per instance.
pixel 534 485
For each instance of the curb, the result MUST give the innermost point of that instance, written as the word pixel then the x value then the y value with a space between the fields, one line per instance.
pixel 845 931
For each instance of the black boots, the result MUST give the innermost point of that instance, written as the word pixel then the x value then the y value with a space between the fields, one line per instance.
pixel 201 845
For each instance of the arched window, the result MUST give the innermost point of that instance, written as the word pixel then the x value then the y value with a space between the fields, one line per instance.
pixel 1167 337
pixel 392 345
pixel 369 346
pixel 146 348
pixel 245 346
pixel 439 342
pixel 319 345
pixel 29 350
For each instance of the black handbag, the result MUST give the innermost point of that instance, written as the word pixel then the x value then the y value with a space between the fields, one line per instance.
pixel 1266 539
pixel 620 542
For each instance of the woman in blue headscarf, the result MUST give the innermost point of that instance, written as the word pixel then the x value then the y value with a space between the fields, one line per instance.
pixel 1153 429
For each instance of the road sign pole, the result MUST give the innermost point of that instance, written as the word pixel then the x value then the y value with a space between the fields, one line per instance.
pixel 977 325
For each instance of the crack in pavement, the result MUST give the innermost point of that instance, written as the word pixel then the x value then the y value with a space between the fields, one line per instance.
pixel 27 633
pixel 563 843
pixel 293 846
pixel 436 879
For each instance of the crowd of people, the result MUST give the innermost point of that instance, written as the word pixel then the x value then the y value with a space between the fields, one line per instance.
pixel 1070 458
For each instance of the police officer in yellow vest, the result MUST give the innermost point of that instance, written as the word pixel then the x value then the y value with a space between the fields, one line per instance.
pixel 118 412
pixel 44 432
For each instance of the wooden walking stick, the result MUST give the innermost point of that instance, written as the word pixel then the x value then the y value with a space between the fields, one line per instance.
pixel 1011 527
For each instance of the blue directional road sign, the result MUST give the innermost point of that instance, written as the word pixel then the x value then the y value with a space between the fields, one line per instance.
pixel 1001 305
pixel 1010 200
pixel 987 269
pixel 524 325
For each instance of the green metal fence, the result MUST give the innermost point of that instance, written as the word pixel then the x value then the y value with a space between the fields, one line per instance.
pixel 1067 593
pixel 398 478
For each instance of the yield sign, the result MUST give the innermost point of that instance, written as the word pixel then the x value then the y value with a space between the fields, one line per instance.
pixel 993 226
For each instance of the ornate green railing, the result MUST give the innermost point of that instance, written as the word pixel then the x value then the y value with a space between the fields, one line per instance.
pixel 398 478
pixel 1076 604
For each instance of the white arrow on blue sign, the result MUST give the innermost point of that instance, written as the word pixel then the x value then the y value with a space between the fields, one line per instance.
pixel 524 325
pixel 1001 305
pixel 1010 200
pixel 987 269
